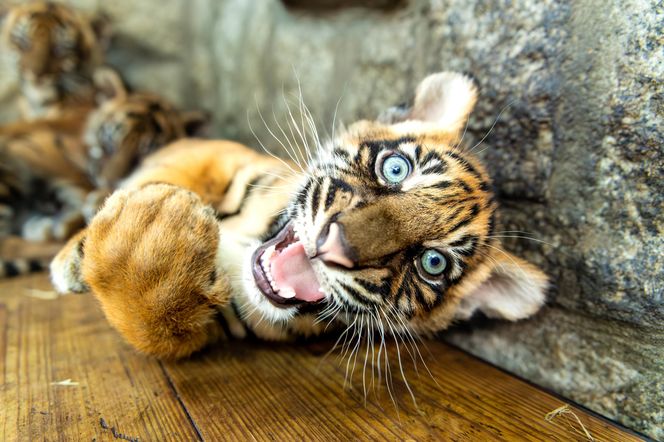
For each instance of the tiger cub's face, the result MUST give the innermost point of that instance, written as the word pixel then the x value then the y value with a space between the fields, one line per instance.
pixel 393 225
pixel 127 126
pixel 56 48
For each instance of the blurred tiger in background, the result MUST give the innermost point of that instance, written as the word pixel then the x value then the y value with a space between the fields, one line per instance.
pixel 56 50
pixel 55 171
pixel 126 127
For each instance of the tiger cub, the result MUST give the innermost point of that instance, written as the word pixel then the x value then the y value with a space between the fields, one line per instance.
pixel 126 127
pixel 389 229
pixel 56 171
pixel 57 50
pixel 42 185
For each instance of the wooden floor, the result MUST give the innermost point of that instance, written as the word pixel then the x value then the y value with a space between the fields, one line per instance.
pixel 65 375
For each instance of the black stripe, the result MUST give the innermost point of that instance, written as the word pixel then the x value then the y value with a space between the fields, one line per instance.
pixel 247 193
pixel 301 199
pixel 435 169
pixel 335 185
pixel 136 115
pixel 11 269
pixel 342 299
pixel 462 267
pixel 492 224
pixel 454 214
pixel 315 203
pixel 35 265
pixel 464 164
pixel 80 247
pixel 221 320
pixel 383 289
pixel 430 156
pixel 467 245
pixel 418 294
pixel 400 292
pixel 341 153
pixel 375 146
pixel 357 296
pixel 461 183
pixel 417 289
pixel 473 213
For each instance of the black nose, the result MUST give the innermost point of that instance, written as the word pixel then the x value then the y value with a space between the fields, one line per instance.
pixel 333 247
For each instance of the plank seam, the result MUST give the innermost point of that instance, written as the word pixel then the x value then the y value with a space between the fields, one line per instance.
pixel 181 402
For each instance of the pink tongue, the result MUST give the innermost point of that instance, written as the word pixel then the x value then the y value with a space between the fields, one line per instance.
pixel 292 272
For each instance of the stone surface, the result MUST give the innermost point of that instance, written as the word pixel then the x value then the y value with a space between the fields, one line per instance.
pixel 570 122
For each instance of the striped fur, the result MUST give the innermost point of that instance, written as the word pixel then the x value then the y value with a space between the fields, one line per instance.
pixel 170 256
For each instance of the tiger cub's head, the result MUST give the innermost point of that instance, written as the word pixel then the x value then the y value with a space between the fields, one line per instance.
pixel 127 126
pixel 56 49
pixel 394 224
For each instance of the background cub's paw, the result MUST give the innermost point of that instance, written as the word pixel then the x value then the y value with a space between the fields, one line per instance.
pixel 43 228
pixel 150 257
pixel 66 267
pixel 38 228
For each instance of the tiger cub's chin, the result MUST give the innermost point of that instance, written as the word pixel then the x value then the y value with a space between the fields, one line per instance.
pixel 393 228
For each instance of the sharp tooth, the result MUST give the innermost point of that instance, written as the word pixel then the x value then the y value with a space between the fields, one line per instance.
pixel 287 293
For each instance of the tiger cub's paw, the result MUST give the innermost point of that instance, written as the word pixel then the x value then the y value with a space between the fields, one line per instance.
pixel 42 228
pixel 150 257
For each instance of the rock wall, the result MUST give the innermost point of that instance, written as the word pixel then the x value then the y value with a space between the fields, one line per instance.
pixel 570 121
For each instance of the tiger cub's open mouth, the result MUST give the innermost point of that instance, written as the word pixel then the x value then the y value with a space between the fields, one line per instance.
pixel 283 272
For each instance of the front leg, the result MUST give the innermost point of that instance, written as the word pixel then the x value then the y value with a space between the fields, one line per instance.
pixel 60 226
pixel 150 257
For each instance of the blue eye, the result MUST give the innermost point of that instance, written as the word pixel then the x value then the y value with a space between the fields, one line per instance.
pixel 395 169
pixel 433 262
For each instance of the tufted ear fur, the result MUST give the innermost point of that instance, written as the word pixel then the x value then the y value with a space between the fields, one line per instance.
pixel 512 289
pixel 109 85
pixel 443 101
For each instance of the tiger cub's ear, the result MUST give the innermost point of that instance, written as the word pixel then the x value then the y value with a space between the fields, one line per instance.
pixel 443 100
pixel 510 289
pixel 101 27
pixel 109 85
pixel 196 123
pixel 4 14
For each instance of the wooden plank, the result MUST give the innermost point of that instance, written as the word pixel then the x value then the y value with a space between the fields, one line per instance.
pixel 244 391
pixel 63 370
